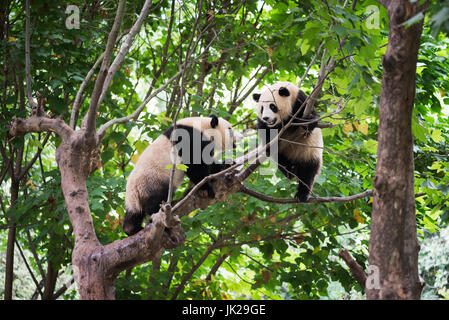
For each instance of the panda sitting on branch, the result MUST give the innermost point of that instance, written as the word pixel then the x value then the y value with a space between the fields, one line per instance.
pixel 300 147
pixel 194 141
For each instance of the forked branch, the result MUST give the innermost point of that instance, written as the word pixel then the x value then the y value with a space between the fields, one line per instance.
pixel 90 119
pixel 116 64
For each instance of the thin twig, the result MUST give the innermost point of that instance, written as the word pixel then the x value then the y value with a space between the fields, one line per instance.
pixel 124 49
pixel 36 156
pixel 76 103
pixel 90 119
pixel 27 56
pixel 192 271
pixel 266 198
pixel 310 64
pixel 136 113
pixel 28 268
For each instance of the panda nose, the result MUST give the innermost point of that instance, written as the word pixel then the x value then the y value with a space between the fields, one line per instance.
pixel 266 118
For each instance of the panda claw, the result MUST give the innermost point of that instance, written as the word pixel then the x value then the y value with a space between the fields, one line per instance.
pixel 302 197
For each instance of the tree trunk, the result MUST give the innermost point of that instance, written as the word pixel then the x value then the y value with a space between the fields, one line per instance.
pixel 76 158
pixel 393 246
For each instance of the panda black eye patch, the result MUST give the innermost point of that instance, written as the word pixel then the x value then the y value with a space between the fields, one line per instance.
pixel 274 108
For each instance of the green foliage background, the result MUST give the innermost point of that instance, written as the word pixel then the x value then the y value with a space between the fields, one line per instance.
pixel 268 250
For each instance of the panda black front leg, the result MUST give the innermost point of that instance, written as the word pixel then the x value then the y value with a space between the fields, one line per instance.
pixel 306 173
pixel 303 194
pixel 286 166
pixel 210 190
pixel 196 173
pixel 133 222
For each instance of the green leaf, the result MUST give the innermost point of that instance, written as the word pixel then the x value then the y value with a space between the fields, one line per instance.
pixel 436 136
pixel 416 18
pixel 182 167
pixel 339 29
pixel 418 130
pixel 371 146
pixel 117 136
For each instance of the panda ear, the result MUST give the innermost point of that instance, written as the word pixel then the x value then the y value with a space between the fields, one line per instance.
pixel 213 121
pixel 256 97
pixel 283 92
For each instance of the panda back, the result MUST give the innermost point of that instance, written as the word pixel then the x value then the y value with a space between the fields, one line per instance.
pixel 152 167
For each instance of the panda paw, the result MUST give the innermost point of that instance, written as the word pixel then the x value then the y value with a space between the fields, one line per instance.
pixel 302 196
pixel 211 193
pixel 208 191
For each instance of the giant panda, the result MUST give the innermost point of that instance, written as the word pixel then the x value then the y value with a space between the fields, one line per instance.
pixel 195 141
pixel 300 147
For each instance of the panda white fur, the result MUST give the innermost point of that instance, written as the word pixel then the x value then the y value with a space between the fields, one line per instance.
pixel 300 147
pixel 196 140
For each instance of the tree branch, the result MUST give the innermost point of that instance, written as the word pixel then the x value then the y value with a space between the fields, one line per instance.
pixel 266 198
pixel 40 124
pixel 245 95
pixel 216 266
pixel 136 113
pixel 116 64
pixel 29 269
pixel 144 245
pixel 211 177
pixel 90 119
pixel 313 96
pixel 310 64
pixel 355 269
pixel 77 102
pixel 192 271
pixel 27 56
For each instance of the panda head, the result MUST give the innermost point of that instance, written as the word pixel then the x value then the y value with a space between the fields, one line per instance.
pixel 215 129
pixel 278 102
pixel 221 132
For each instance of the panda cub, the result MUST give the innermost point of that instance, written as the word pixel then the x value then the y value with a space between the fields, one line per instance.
pixel 195 141
pixel 300 147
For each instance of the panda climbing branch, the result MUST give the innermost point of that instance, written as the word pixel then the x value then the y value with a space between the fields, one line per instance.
pixel 259 155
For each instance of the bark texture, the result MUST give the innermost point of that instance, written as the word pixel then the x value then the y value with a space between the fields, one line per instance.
pixel 393 244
